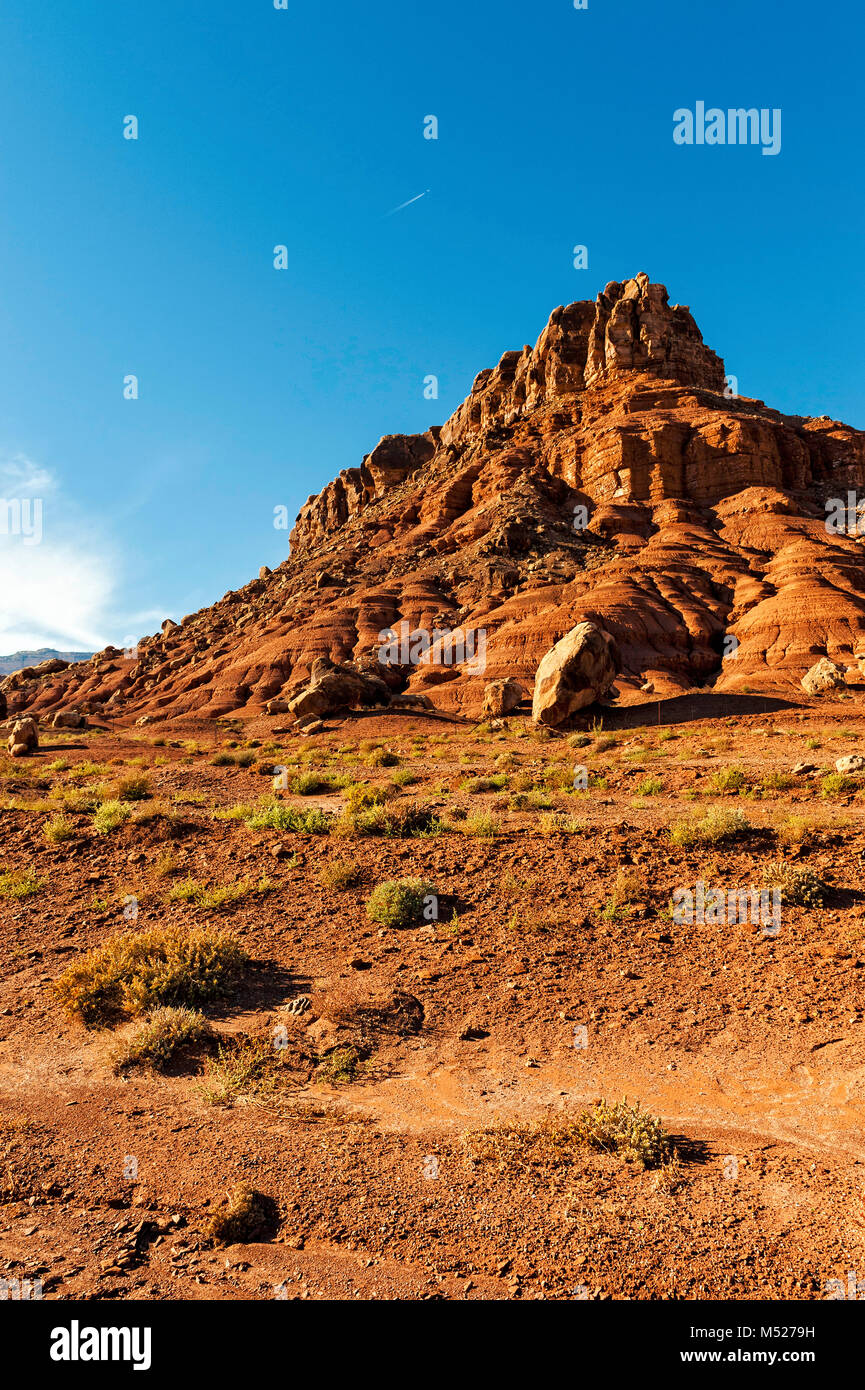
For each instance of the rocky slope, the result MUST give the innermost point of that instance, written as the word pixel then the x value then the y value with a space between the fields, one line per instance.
pixel 606 474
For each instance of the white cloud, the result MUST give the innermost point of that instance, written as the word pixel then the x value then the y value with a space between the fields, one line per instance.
pixel 60 590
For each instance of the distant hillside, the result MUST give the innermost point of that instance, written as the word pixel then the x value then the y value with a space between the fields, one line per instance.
pixel 16 660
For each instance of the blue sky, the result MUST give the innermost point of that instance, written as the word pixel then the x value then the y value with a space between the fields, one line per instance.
pixel 304 127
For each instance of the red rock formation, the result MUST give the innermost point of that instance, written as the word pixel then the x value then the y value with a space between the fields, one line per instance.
pixel 603 476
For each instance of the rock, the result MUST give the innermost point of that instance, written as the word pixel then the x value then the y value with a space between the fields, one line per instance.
pixel 335 688
pixel 823 676
pixel 3 705
pixel 68 719
pixel 276 706
pixel 574 673
pixel 851 763
pixel 604 474
pixel 264 573
pixel 408 699
pixel 804 769
pixel 24 738
pixel 501 696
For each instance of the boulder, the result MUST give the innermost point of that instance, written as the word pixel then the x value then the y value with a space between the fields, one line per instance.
pixel 501 696
pixel 24 738
pixel 3 705
pixel 337 687
pixel 276 706
pixel 578 670
pixel 824 675
pixel 851 763
pixel 69 719
pixel 411 699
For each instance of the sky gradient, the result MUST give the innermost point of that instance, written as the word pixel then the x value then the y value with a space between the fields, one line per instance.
pixel 304 127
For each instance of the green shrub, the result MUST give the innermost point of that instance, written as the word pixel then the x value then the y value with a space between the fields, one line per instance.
pixel 110 815
pixel 156 1041
pixel 836 784
pixel 398 902
pixel 130 974
pixel 798 884
pixel 727 780
pixel 133 788
pixel 339 874
pixel 482 826
pixel 58 829
pixel 623 1129
pixel 20 883
pixel 720 825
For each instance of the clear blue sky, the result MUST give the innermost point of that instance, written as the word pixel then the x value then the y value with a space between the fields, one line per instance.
pixel 305 127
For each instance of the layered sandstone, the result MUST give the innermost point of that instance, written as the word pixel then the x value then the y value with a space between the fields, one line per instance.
pixel 605 476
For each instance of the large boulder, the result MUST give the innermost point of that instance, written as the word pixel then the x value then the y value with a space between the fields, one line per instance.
pixel 578 670
pixel 69 719
pixel 3 706
pixel 500 697
pixel 24 738
pixel 336 687
pixel 823 676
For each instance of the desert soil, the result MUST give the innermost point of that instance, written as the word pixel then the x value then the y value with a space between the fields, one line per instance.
pixel 553 976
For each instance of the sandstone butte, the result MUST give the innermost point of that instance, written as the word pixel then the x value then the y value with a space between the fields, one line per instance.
pixel 706 519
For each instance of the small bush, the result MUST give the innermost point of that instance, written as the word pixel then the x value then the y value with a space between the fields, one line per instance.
pixel 309 783
pixel 398 902
pixel 110 815
pixel 652 786
pixel 798 884
pixel 620 1128
pixel 718 826
pixel 166 865
pixel 20 883
pixel 244 1067
pixel 339 873
pixel 727 780
pixel 155 1042
pixel 360 798
pixel 211 899
pixel 482 826
pixel 247 1216
pixel 623 1129
pixel 381 757
pixel 403 777
pixel 58 829
pixel 129 974
pixel 275 816
pixel 339 1066
pixel 560 823
pixel 134 788
pixel 836 784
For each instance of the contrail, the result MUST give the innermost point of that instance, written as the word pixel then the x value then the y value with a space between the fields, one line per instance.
pixel 405 205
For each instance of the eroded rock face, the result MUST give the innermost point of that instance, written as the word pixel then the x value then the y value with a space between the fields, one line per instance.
pixel 24 738
pixel 578 670
pixel 602 475
pixel 500 697
pixel 823 676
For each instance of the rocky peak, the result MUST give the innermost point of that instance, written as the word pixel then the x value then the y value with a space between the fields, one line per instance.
pixel 636 329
